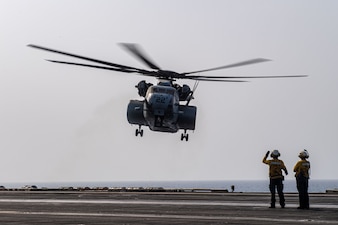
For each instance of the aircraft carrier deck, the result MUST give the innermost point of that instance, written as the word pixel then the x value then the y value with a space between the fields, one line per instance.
pixel 149 207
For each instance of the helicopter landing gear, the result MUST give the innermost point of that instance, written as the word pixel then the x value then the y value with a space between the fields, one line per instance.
pixel 185 136
pixel 139 131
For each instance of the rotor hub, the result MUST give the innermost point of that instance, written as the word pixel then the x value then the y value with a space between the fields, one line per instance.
pixel 168 74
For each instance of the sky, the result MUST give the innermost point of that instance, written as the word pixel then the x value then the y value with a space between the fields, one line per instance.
pixel 62 123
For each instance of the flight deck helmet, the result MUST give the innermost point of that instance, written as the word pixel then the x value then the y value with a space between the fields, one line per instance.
pixel 303 154
pixel 275 153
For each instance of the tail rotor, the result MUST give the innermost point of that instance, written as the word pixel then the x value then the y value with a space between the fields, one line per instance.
pixel 191 96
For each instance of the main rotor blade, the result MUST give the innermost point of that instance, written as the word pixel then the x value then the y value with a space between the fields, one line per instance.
pixel 245 77
pixel 94 66
pixel 146 73
pixel 85 58
pixel 247 62
pixel 217 80
pixel 138 53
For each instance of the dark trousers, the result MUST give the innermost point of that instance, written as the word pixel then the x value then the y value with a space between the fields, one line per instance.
pixel 302 187
pixel 277 183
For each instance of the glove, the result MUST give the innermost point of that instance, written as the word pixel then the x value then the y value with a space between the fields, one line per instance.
pixel 267 154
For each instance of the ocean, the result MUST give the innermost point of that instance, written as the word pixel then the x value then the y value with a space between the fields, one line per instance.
pixel 315 186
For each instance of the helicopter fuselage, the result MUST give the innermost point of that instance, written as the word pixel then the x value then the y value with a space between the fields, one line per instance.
pixel 161 110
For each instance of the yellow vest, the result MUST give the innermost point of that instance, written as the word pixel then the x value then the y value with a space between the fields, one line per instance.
pixel 275 168
pixel 302 168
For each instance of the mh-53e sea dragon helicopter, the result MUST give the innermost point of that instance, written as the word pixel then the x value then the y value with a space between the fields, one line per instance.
pixel 161 109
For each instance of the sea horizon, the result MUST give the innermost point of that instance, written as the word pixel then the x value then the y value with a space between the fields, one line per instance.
pixel 315 186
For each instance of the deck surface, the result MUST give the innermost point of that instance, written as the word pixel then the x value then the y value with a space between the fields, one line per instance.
pixel 103 207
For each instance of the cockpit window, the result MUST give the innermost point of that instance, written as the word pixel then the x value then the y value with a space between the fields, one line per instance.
pixel 162 90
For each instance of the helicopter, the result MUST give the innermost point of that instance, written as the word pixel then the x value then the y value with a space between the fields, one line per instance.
pixel 165 105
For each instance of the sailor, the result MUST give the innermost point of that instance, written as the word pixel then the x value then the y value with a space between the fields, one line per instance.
pixel 302 177
pixel 276 177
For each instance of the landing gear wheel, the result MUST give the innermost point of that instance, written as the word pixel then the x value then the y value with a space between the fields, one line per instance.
pixel 184 136
pixel 139 131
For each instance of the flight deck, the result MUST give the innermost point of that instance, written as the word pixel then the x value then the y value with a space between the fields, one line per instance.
pixel 107 207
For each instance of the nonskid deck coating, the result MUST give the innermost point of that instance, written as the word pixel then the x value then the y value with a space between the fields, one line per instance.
pixel 161 208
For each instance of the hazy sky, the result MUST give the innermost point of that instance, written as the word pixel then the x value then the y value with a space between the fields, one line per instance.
pixel 67 123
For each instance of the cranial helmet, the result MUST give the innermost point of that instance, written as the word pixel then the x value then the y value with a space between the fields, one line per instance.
pixel 303 154
pixel 275 153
